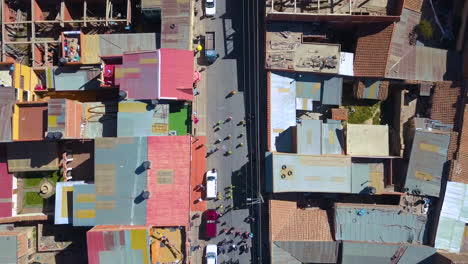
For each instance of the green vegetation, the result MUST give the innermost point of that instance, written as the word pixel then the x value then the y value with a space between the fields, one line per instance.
pixel 179 119
pixel 425 29
pixel 32 179
pixel 363 114
pixel 32 199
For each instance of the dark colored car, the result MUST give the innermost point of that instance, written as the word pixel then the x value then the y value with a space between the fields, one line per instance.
pixel 211 218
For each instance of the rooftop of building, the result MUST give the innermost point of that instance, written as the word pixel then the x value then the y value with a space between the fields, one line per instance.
pixel 426 165
pixel 160 70
pixel 289 48
pixel 453 219
pixel 330 8
pixel 175 22
pixel 127 243
pixel 379 224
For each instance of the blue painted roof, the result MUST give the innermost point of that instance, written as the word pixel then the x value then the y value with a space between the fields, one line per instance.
pixel 119 182
pixel 428 156
pixel 309 137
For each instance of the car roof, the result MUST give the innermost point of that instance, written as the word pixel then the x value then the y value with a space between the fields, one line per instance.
pixel 211 212
pixel 211 248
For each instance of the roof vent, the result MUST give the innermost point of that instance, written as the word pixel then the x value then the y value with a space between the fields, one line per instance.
pixel 122 95
pixel 145 195
pixel 286 172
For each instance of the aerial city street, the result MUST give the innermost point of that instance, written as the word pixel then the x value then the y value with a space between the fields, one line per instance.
pixel 234 131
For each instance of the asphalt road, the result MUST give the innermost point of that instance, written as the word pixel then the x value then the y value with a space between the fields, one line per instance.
pixel 237 27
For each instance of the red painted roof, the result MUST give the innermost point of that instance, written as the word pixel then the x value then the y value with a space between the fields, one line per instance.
pixel 169 203
pixel 176 74
pixel 6 182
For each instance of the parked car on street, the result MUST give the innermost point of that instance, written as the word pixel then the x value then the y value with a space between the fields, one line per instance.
pixel 210 227
pixel 211 254
pixel 211 184
pixel 210 7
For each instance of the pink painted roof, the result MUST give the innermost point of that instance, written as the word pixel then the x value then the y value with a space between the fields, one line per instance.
pixel 6 181
pixel 95 242
pixel 177 74
pixel 169 204
pixel 138 74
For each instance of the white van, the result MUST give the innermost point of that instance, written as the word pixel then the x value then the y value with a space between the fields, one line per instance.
pixel 211 184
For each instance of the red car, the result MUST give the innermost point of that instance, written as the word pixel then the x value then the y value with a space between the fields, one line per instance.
pixel 211 217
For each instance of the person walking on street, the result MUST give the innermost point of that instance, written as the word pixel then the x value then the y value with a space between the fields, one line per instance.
pixel 219 196
pixel 240 135
pixel 228 137
pixel 201 186
pixel 228 119
pixel 229 152
pixel 200 199
pixel 220 206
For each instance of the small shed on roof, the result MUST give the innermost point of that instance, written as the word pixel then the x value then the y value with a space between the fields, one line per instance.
pixel 307 173
pixel 371 89
pixel 124 244
pixel 367 140
pixel 157 74
pixel 115 197
pixel 327 90
pixel 367 178
pixel 378 223
pixel 426 165
pixel 7 101
pixel 136 118
pixel 358 253
pixel 453 218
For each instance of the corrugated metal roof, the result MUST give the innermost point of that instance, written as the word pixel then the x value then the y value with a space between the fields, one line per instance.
pixel 305 252
pixel 32 122
pixel 366 175
pixel 32 156
pixel 371 88
pixel 72 78
pixel 64 116
pixel 8 249
pixel 118 245
pixel 306 173
pixel 309 86
pixel 359 253
pixel 175 22
pixel 332 91
pixel 119 182
pixel 332 138
pixel 380 224
pixel 453 217
pixel 415 62
pixel 7 101
pixel 309 137
pixel 136 119
pixel 169 181
pixel 176 71
pixel 118 44
pixel 428 156
pixel 129 75
pixel 367 140
pixel 62 192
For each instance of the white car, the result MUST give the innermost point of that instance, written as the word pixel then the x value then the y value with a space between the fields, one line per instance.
pixel 211 184
pixel 211 254
pixel 210 7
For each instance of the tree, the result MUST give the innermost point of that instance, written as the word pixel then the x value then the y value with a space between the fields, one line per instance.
pixel 425 29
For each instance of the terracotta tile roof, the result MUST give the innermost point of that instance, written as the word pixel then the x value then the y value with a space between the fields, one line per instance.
pixel 445 102
pixel 372 49
pixel 414 5
pixel 340 114
pixel 289 223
